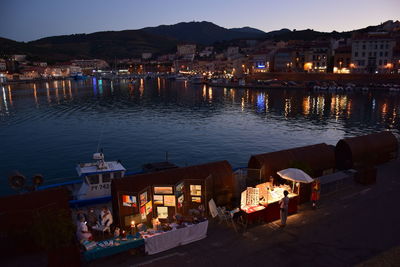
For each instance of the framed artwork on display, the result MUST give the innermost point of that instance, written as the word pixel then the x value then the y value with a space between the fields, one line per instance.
pixel 158 200
pixel 129 201
pixel 143 198
pixel 149 207
pixel 196 199
pixel 180 201
pixel 179 189
pixel 169 201
pixel 163 190
pixel 143 211
pixel 162 212
pixel 195 190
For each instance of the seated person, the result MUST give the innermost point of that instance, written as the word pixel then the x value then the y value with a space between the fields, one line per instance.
pixel 106 217
pixel 91 218
pixel 82 231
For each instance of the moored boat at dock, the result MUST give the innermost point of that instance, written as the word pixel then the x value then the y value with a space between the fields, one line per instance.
pixel 94 185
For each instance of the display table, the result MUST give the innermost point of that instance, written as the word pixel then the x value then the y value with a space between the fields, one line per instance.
pixel 271 211
pixel 159 242
pixel 124 245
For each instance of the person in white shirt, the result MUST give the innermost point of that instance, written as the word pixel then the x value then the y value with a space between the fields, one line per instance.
pixel 284 205
pixel 82 231
pixel 106 217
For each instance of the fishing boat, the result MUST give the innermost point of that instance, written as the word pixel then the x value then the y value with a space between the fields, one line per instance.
pixel 94 183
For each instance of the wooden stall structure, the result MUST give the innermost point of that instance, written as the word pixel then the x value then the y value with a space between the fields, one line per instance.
pixel 366 150
pixel 316 160
pixel 162 194
pixel 36 223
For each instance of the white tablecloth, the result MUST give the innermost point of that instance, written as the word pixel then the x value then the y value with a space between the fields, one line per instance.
pixel 167 240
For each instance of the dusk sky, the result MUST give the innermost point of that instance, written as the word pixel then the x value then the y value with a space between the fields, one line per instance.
pixel 24 20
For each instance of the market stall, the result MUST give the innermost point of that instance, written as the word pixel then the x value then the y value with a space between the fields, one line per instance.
pixel 318 159
pixel 168 208
pixel 162 195
pixel 262 202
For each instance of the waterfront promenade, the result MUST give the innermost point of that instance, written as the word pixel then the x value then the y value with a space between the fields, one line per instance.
pixel 358 225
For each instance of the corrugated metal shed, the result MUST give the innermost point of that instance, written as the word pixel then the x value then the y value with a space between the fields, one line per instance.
pixel 371 149
pixel 318 158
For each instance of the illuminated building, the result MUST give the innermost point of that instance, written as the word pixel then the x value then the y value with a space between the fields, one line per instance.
pixel 90 64
pixel 261 61
pixel 371 52
pixel 318 54
pixel 342 60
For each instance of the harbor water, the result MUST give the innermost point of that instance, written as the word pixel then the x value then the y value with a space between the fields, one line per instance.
pixel 49 127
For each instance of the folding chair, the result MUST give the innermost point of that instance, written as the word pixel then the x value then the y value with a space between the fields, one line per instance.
pixel 226 216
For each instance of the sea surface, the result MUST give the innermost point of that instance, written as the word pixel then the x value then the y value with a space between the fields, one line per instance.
pixel 49 127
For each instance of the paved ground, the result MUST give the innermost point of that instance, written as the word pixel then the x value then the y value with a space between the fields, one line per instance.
pixel 358 225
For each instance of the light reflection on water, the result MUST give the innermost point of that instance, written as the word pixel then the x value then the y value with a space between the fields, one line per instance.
pixel 49 127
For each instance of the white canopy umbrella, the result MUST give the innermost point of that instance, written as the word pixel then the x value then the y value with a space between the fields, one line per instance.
pixel 295 175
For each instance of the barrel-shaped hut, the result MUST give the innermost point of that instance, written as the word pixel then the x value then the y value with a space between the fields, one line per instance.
pixel 316 160
pixel 366 150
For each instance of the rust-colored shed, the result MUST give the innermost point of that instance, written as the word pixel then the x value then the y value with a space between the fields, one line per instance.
pixel 216 176
pixel 319 159
pixel 316 159
pixel 370 149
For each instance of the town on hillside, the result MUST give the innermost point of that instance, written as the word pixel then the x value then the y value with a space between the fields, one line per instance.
pixel 367 52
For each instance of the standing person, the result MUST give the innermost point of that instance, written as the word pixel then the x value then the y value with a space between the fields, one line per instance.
pixel 284 205
pixel 315 193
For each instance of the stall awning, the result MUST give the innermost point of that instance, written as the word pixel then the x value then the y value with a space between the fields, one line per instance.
pixel 295 175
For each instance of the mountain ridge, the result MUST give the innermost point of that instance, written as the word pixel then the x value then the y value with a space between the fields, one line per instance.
pixel 157 40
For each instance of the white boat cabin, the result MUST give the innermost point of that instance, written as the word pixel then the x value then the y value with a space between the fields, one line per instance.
pixel 97 177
